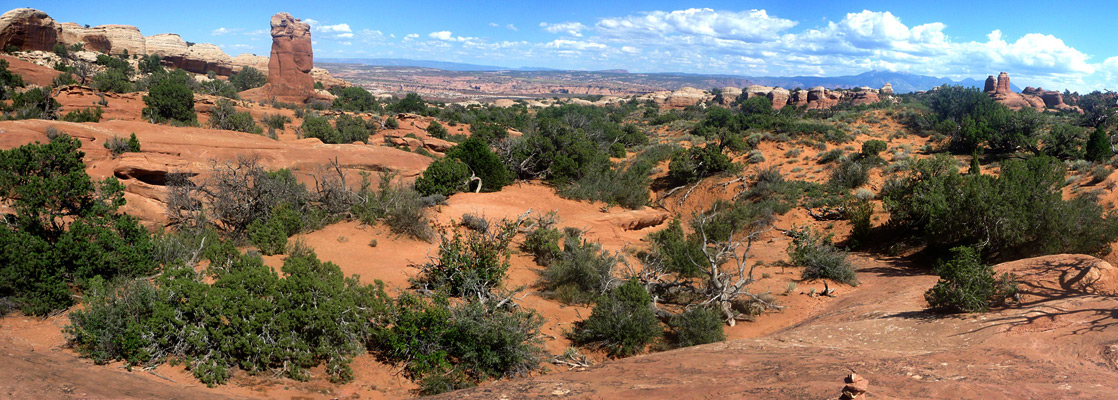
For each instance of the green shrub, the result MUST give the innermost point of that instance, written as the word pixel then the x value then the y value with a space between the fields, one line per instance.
pixel 871 148
pixel 348 129
pixel 483 163
pixel 270 238
pixel 966 284
pixel 356 99
pixel 352 128
pixel 622 323
pixel 435 129
pixel 399 206
pixel 248 317
pixel 170 98
pixel 617 150
pixel 820 258
pixel 490 133
pixel 849 174
pixel 119 146
pixel 35 103
pixel 391 123
pixel 224 115
pixel 676 251
pixel 697 325
pixel 8 81
pixel 151 64
pixel 275 121
pixel 319 127
pixel 470 264
pixel 830 156
pixel 444 177
pixel 63 79
pixel 411 103
pixel 64 229
pixel 580 273
pixel 87 114
pixel 248 78
pixel 447 348
pixel 543 244
pixel 1019 213
pixel 627 187
pixel 860 214
pixel 697 163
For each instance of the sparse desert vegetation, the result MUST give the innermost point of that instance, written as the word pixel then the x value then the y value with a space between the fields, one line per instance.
pixel 284 233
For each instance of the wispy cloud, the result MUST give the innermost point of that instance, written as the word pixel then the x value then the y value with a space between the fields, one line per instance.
pixel 570 28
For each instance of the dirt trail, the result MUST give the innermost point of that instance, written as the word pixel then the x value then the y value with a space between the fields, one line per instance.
pixel 1059 347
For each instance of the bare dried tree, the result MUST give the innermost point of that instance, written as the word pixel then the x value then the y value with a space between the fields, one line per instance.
pixel 719 261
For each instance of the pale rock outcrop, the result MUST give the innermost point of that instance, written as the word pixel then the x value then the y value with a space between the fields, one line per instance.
pixel 328 81
pixel 111 39
pixel 729 94
pixel 799 98
pixel 887 89
pixel 250 60
pixel 779 97
pixel 28 29
pixel 685 97
pixel 757 91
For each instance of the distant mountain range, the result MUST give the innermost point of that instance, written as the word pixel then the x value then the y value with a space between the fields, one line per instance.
pixel 902 82
pixel 443 65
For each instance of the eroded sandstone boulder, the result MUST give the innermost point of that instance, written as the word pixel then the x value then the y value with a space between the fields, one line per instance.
pixel 28 29
pixel 779 97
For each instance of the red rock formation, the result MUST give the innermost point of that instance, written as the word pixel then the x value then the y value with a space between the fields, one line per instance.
pixel 291 61
pixel 779 97
pixel 865 97
pixel 28 29
pixel 1003 84
pixel 1036 98
pixel 799 98
pixel 990 86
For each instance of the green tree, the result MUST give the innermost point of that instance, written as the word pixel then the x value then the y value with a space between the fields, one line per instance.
pixel 356 99
pixel 411 103
pixel 483 163
pixel 36 103
pixel 224 115
pixel 170 98
pixel 1098 145
pixel 151 64
pixel 248 78
pixel 435 129
pixel 8 81
pixel 445 177
pixel 65 229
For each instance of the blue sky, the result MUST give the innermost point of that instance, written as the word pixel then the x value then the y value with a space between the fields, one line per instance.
pixel 1038 43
